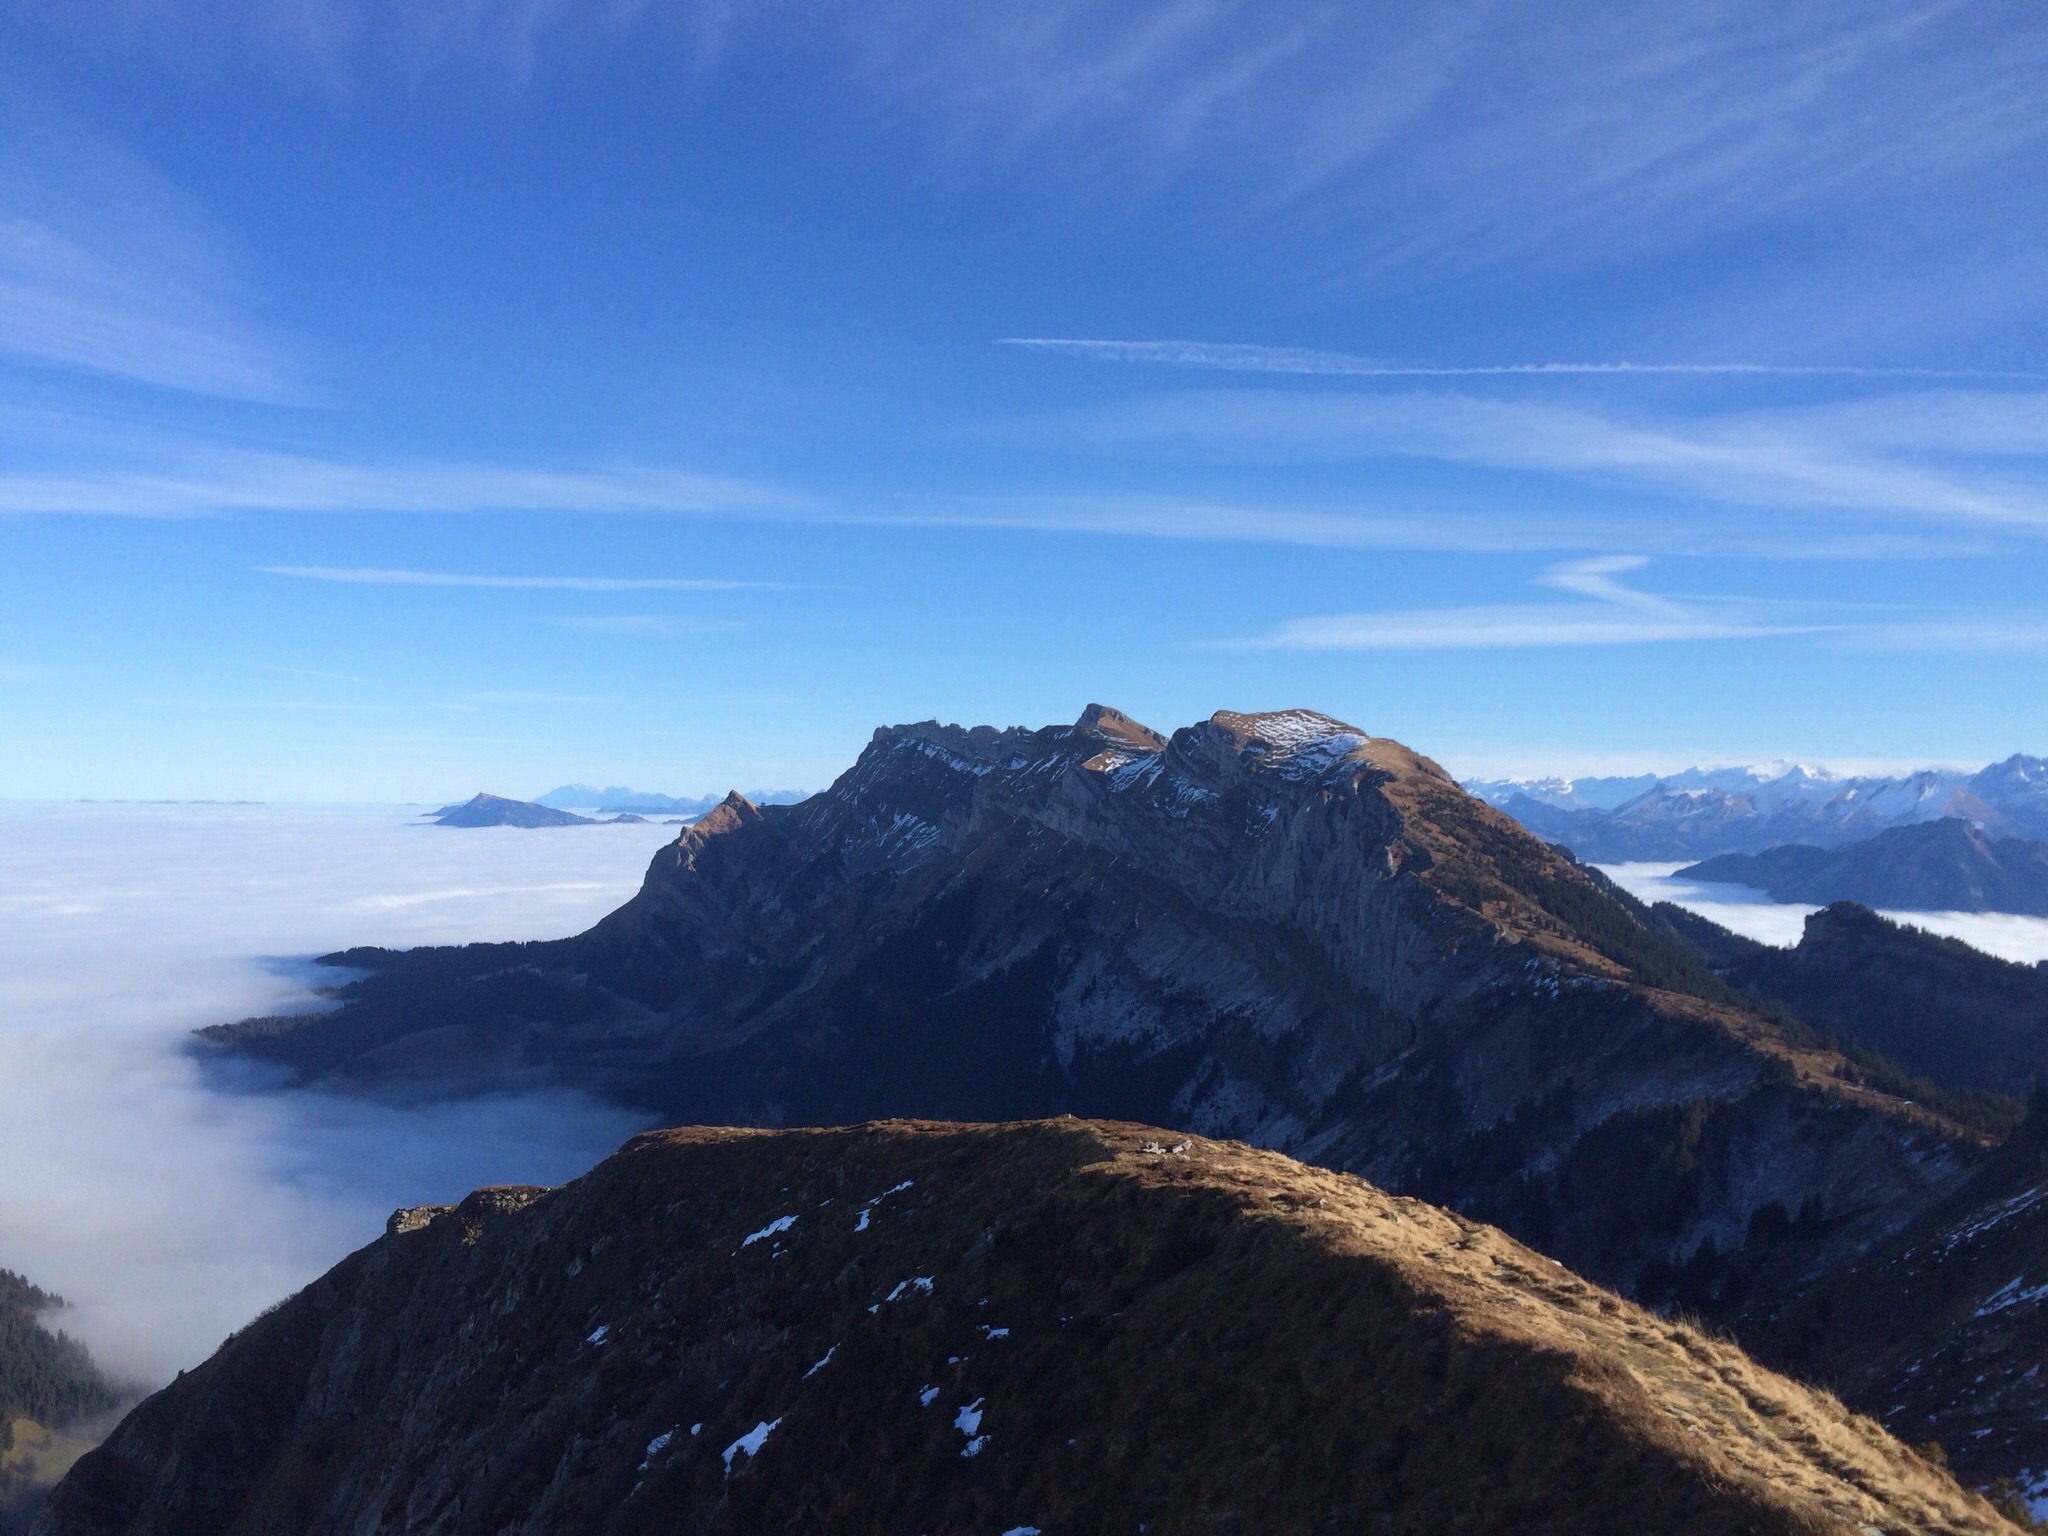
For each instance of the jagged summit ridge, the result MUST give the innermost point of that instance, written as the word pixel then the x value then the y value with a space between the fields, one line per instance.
pixel 1198 760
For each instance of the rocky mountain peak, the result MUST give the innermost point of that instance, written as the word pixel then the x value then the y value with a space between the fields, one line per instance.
pixel 1117 729
pixel 729 815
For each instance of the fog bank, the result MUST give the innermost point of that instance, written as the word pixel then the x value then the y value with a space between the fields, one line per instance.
pixel 171 1213
pixel 1752 913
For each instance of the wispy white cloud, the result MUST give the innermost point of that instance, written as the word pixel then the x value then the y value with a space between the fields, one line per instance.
pixel 1986 632
pixel 1935 456
pixel 380 577
pixel 318 672
pixel 647 624
pixel 541 696
pixel 305 706
pixel 1395 141
pixel 193 479
pixel 1401 142
pixel 107 268
pixel 1238 358
pixel 1615 615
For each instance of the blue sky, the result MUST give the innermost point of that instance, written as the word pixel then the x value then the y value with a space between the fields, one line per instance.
pixel 403 399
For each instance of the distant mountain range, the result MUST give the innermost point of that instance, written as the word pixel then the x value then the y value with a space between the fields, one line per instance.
pixel 1707 811
pixel 1278 929
pixel 619 797
pixel 1930 866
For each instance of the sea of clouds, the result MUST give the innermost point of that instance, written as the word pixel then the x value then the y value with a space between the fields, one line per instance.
pixel 168 1211
pixel 1753 913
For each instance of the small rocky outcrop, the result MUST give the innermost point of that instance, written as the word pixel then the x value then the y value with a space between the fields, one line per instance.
pixel 483 810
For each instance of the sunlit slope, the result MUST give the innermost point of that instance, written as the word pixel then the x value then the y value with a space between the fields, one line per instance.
pixel 1064 1325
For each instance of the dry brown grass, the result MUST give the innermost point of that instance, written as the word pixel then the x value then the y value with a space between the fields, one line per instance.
pixel 1196 1337
pixel 1696 1397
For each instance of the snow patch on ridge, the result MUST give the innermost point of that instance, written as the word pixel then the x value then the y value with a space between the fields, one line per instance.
pixel 751 1442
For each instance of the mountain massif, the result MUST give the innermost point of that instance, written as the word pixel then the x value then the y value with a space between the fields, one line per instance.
pixel 1700 813
pixel 1050 1327
pixel 1930 866
pixel 1274 928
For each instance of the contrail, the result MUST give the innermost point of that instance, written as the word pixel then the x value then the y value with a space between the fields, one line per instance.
pixel 1302 360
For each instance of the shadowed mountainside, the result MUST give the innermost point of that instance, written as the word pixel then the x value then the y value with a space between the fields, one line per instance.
pixel 1940 1009
pixel 1043 1327
pixel 1936 866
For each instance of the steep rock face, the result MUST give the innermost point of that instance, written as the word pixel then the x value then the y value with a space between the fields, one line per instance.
pixel 1273 927
pixel 1053 1327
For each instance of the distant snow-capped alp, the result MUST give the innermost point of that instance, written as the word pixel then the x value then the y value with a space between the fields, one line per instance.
pixel 1702 812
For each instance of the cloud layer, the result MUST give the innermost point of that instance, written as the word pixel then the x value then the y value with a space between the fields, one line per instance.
pixel 170 1213
pixel 1614 614
pixel 1755 915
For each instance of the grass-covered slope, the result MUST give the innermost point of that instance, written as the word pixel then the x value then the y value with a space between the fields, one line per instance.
pixel 1059 1326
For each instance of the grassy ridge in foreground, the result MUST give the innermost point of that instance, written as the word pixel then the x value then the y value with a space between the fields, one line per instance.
pixel 1068 1325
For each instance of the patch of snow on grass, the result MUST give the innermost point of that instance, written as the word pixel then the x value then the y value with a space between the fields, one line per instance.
pixel 779 1225
pixel 2010 1295
pixel 822 1363
pixel 921 1282
pixel 656 1446
pixel 968 1419
pixel 599 1334
pixel 925 1397
pixel 751 1442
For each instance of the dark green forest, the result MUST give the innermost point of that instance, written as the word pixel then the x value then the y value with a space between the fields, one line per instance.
pixel 44 1375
